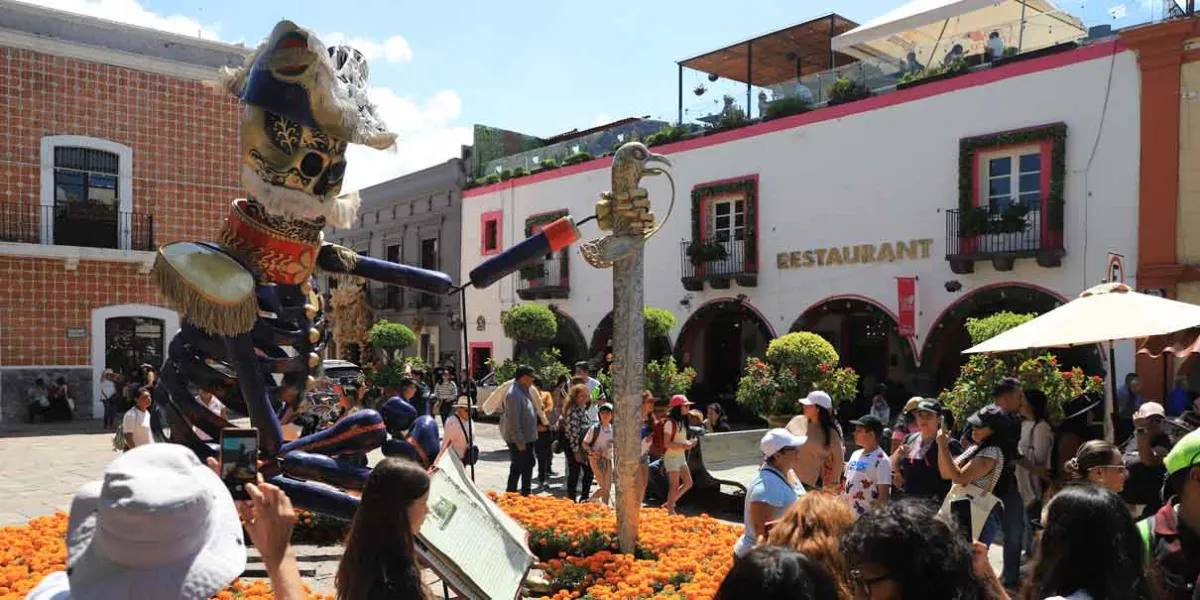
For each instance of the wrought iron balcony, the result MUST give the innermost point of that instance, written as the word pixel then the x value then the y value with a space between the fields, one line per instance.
pixel 1001 238
pixel 548 279
pixel 385 297
pixel 718 260
pixel 77 224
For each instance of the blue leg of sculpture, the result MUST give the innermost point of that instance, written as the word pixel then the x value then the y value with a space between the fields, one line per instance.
pixel 258 403
pixel 315 467
pixel 317 498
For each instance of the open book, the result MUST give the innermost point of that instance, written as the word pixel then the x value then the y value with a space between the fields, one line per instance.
pixel 467 540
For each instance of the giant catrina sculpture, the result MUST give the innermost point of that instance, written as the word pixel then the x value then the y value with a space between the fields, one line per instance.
pixel 254 324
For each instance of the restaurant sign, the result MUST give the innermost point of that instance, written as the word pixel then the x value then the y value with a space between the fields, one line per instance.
pixel 855 255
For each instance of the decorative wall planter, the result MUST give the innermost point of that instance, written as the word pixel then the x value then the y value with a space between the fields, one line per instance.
pixel 1050 258
pixel 693 284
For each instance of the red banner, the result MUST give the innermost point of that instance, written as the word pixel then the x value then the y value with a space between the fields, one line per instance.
pixel 907 289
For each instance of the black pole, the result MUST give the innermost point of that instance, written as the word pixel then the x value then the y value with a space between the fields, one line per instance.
pixel 679 122
pixel 471 388
pixel 1112 380
pixel 749 74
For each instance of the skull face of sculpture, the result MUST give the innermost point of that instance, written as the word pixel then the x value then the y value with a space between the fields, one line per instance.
pixel 286 154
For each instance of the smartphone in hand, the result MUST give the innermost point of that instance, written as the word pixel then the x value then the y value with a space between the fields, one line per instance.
pixel 239 460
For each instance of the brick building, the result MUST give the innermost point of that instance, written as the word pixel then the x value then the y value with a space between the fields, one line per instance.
pixel 110 146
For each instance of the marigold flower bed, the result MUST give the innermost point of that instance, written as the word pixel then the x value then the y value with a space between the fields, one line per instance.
pixel 677 556
pixel 30 552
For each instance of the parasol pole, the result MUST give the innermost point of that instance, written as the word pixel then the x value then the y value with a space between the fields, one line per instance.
pixel 1110 398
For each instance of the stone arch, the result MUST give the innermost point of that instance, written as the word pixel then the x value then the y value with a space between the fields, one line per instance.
pixel 569 340
pixel 656 348
pixel 99 320
pixel 716 340
pixel 941 355
pixel 867 338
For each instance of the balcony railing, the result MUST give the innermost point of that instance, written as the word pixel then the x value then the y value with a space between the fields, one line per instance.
pixel 550 278
pixel 718 261
pixel 385 297
pixel 77 224
pixel 1000 238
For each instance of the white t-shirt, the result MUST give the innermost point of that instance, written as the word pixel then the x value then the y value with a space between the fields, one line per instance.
pixel 1035 445
pixel 216 407
pixel 108 389
pixel 864 474
pixel 456 436
pixel 137 423
pixel 600 439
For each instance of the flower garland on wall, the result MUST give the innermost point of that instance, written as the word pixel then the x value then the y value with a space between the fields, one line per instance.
pixel 968 148
pixel 748 187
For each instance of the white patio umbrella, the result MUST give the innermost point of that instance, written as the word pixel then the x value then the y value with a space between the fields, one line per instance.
pixel 1108 312
pixel 929 28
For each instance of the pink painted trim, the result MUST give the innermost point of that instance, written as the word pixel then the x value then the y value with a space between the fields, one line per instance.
pixel 969 80
pixel 895 318
pixel 498 217
pixel 471 354
pixel 933 325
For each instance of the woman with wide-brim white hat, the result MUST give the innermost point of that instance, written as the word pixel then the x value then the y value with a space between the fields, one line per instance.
pixel 162 525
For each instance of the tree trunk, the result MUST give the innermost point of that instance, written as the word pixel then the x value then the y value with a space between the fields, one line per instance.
pixel 628 374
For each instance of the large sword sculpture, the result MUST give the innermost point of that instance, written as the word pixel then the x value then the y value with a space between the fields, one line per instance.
pixel 253 321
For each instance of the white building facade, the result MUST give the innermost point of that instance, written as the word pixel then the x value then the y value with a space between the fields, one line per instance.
pixel 822 220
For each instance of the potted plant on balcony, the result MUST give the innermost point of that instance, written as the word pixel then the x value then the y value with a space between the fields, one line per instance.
pixel 700 252
pixel 784 107
pixel 796 364
pixel 845 90
pixel 932 74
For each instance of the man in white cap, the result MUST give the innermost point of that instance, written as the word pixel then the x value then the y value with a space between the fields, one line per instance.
pixel 773 489
pixel 161 525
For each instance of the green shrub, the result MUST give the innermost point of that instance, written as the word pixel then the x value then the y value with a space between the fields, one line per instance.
pixel 505 175
pixel 390 338
pixel 732 118
pixel 520 172
pixel 667 135
pixel 530 323
pixel 492 178
pixel 576 158
pixel 548 163
pixel 986 328
pixel 659 321
pixel 785 107
pixel 802 350
pixel 847 90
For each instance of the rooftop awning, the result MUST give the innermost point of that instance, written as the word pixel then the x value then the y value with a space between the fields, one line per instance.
pixel 775 55
pixel 922 26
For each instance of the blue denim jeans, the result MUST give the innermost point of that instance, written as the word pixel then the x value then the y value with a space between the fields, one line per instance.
pixel 1013 525
pixel 991 526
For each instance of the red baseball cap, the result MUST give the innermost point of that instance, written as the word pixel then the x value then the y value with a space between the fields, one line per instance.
pixel 679 400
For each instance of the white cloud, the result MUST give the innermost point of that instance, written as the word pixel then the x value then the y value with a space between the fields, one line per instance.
pixel 394 49
pixel 428 136
pixel 133 13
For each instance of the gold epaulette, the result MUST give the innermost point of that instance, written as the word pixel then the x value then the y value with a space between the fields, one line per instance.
pixel 208 287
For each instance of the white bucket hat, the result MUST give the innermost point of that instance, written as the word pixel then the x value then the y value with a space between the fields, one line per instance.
pixel 160 525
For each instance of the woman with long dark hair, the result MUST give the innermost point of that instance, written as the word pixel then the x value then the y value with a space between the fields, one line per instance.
pixel 1090 549
pixel 380 560
pixel 822 455
pixel 980 465
pixel 777 573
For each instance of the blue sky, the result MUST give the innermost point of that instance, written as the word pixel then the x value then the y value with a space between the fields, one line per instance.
pixel 535 66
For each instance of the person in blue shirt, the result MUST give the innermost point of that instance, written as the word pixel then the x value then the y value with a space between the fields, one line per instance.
pixel 1180 399
pixel 773 489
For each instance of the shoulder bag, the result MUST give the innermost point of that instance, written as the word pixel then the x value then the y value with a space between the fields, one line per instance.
pixel 982 500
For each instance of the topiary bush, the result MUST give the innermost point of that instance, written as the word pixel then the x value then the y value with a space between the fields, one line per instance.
pixel 390 338
pixel 659 321
pixel 530 324
pixel 802 351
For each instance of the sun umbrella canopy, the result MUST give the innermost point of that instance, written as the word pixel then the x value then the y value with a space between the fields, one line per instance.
pixel 1107 312
pixel 930 28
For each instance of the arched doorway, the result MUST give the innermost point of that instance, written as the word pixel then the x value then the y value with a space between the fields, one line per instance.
pixel 942 357
pixel 867 338
pixel 716 341
pixel 126 336
pixel 656 348
pixel 572 346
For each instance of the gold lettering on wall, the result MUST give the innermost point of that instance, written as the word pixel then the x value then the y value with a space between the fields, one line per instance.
pixel 861 254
